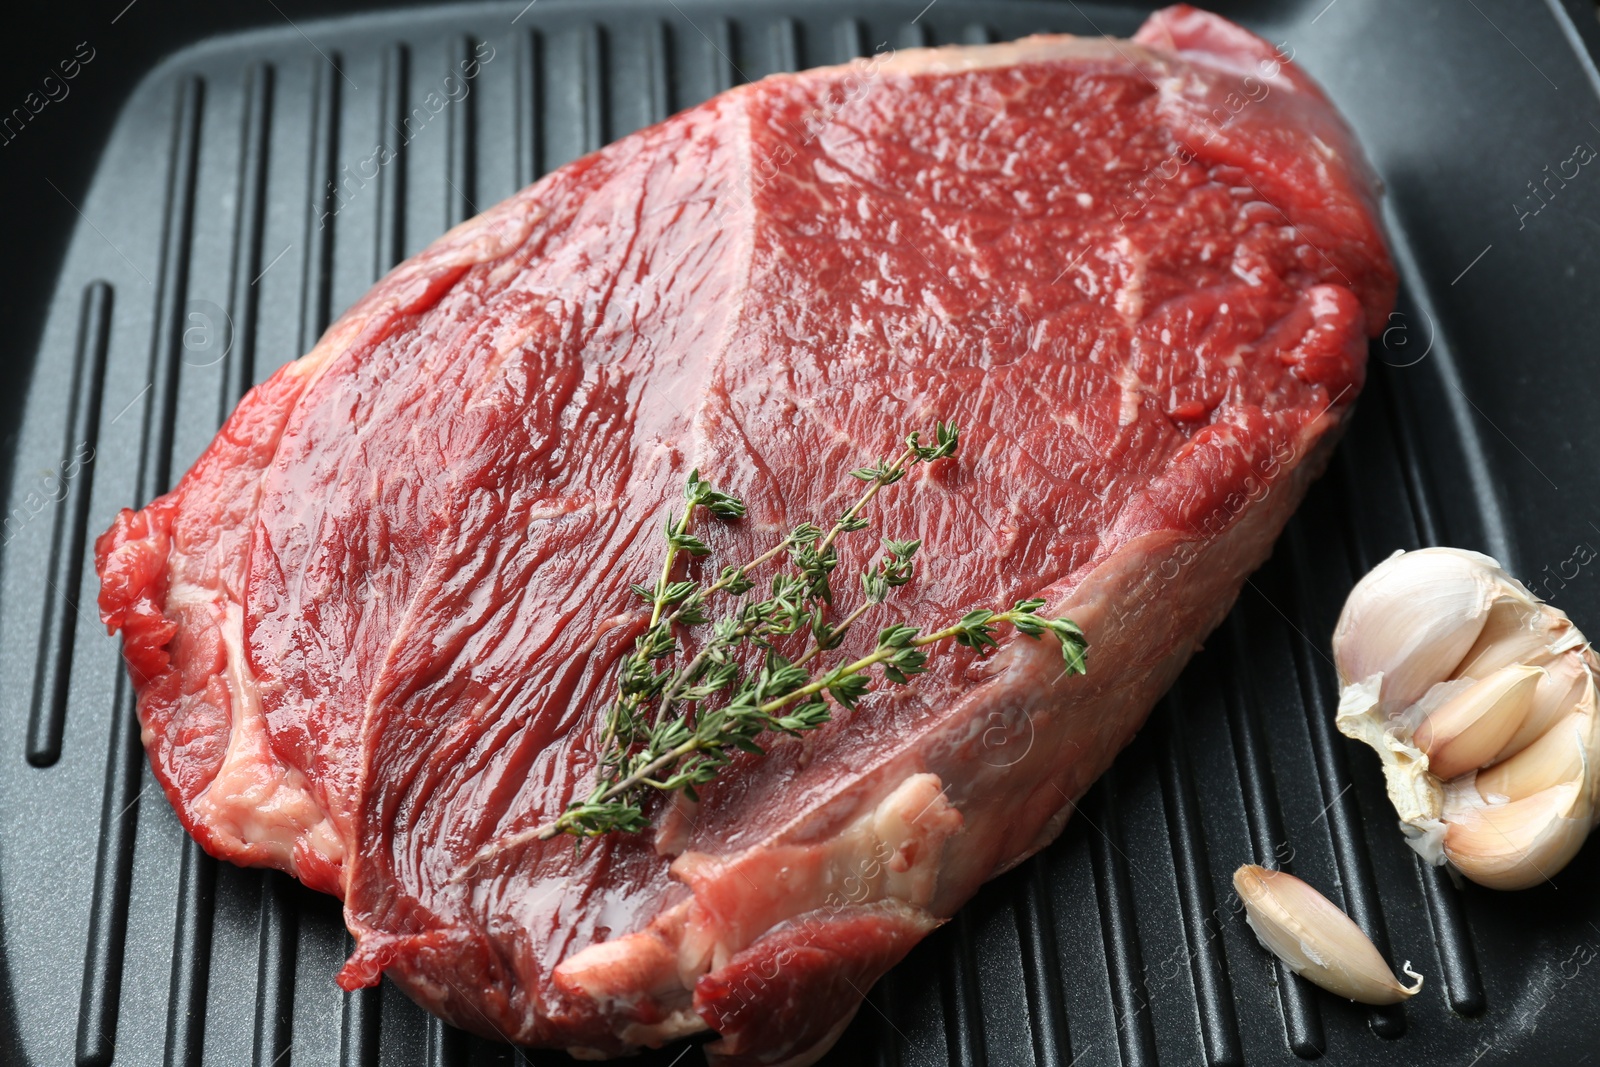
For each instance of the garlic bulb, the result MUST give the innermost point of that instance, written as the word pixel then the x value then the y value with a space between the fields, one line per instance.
pixel 1319 942
pixel 1480 699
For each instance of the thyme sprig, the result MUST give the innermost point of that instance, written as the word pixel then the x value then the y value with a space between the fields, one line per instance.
pixel 673 729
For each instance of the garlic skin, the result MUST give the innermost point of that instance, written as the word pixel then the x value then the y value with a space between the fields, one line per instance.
pixel 1485 715
pixel 1319 942
pixel 1417 796
pixel 1412 619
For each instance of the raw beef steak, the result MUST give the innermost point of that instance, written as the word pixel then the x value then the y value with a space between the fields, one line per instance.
pixel 375 627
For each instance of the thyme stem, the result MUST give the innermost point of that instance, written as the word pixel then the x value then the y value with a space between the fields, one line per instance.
pixel 897 469
pixel 711 707
pixel 660 599
pixel 849 620
pixel 881 654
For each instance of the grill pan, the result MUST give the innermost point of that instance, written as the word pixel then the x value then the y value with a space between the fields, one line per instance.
pixel 199 205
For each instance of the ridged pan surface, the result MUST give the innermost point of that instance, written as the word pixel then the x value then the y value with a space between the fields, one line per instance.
pixel 257 183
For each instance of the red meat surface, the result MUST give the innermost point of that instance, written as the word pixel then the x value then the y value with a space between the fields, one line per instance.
pixel 375 627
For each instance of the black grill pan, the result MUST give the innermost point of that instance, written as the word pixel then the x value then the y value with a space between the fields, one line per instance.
pixel 166 249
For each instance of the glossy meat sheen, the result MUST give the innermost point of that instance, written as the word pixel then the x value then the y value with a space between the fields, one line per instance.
pixel 375 627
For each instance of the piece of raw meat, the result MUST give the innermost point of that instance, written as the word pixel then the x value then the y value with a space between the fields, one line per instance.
pixel 374 628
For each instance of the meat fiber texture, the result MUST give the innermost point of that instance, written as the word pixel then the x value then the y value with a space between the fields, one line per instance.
pixel 375 627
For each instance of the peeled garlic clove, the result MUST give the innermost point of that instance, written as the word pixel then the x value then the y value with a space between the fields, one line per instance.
pixel 1319 942
pixel 1521 843
pixel 1412 620
pixel 1471 728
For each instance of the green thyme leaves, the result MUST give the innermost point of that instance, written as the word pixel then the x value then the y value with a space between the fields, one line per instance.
pixel 677 720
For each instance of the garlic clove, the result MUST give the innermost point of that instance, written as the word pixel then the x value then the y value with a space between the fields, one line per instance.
pixel 1552 760
pixel 1413 619
pixel 1566 678
pixel 1520 843
pixel 1512 634
pixel 1471 728
pixel 1318 941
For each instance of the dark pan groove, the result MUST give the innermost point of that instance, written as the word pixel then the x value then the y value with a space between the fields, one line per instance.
pixel 851 38
pixel 317 293
pixel 913 35
pixel 462 134
pixel 394 96
pixel 108 910
pixel 1458 960
pixel 529 105
pixel 108 913
pixel 1202 919
pixel 447 1046
pixel 1129 1000
pixel 963 1014
pixel 360 1024
pixel 1428 532
pixel 1041 966
pixel 880 1008
pixel 167 351
pixel 1302 1019
pixel 1316 679
pixel 594 78
pixel 274 1036
pixel 240 366
pixel 1363 555
pixel 722 43
pixel 191 957
pixel 658 56
pixel 48 713
pixel 786 47
pixel 573 83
